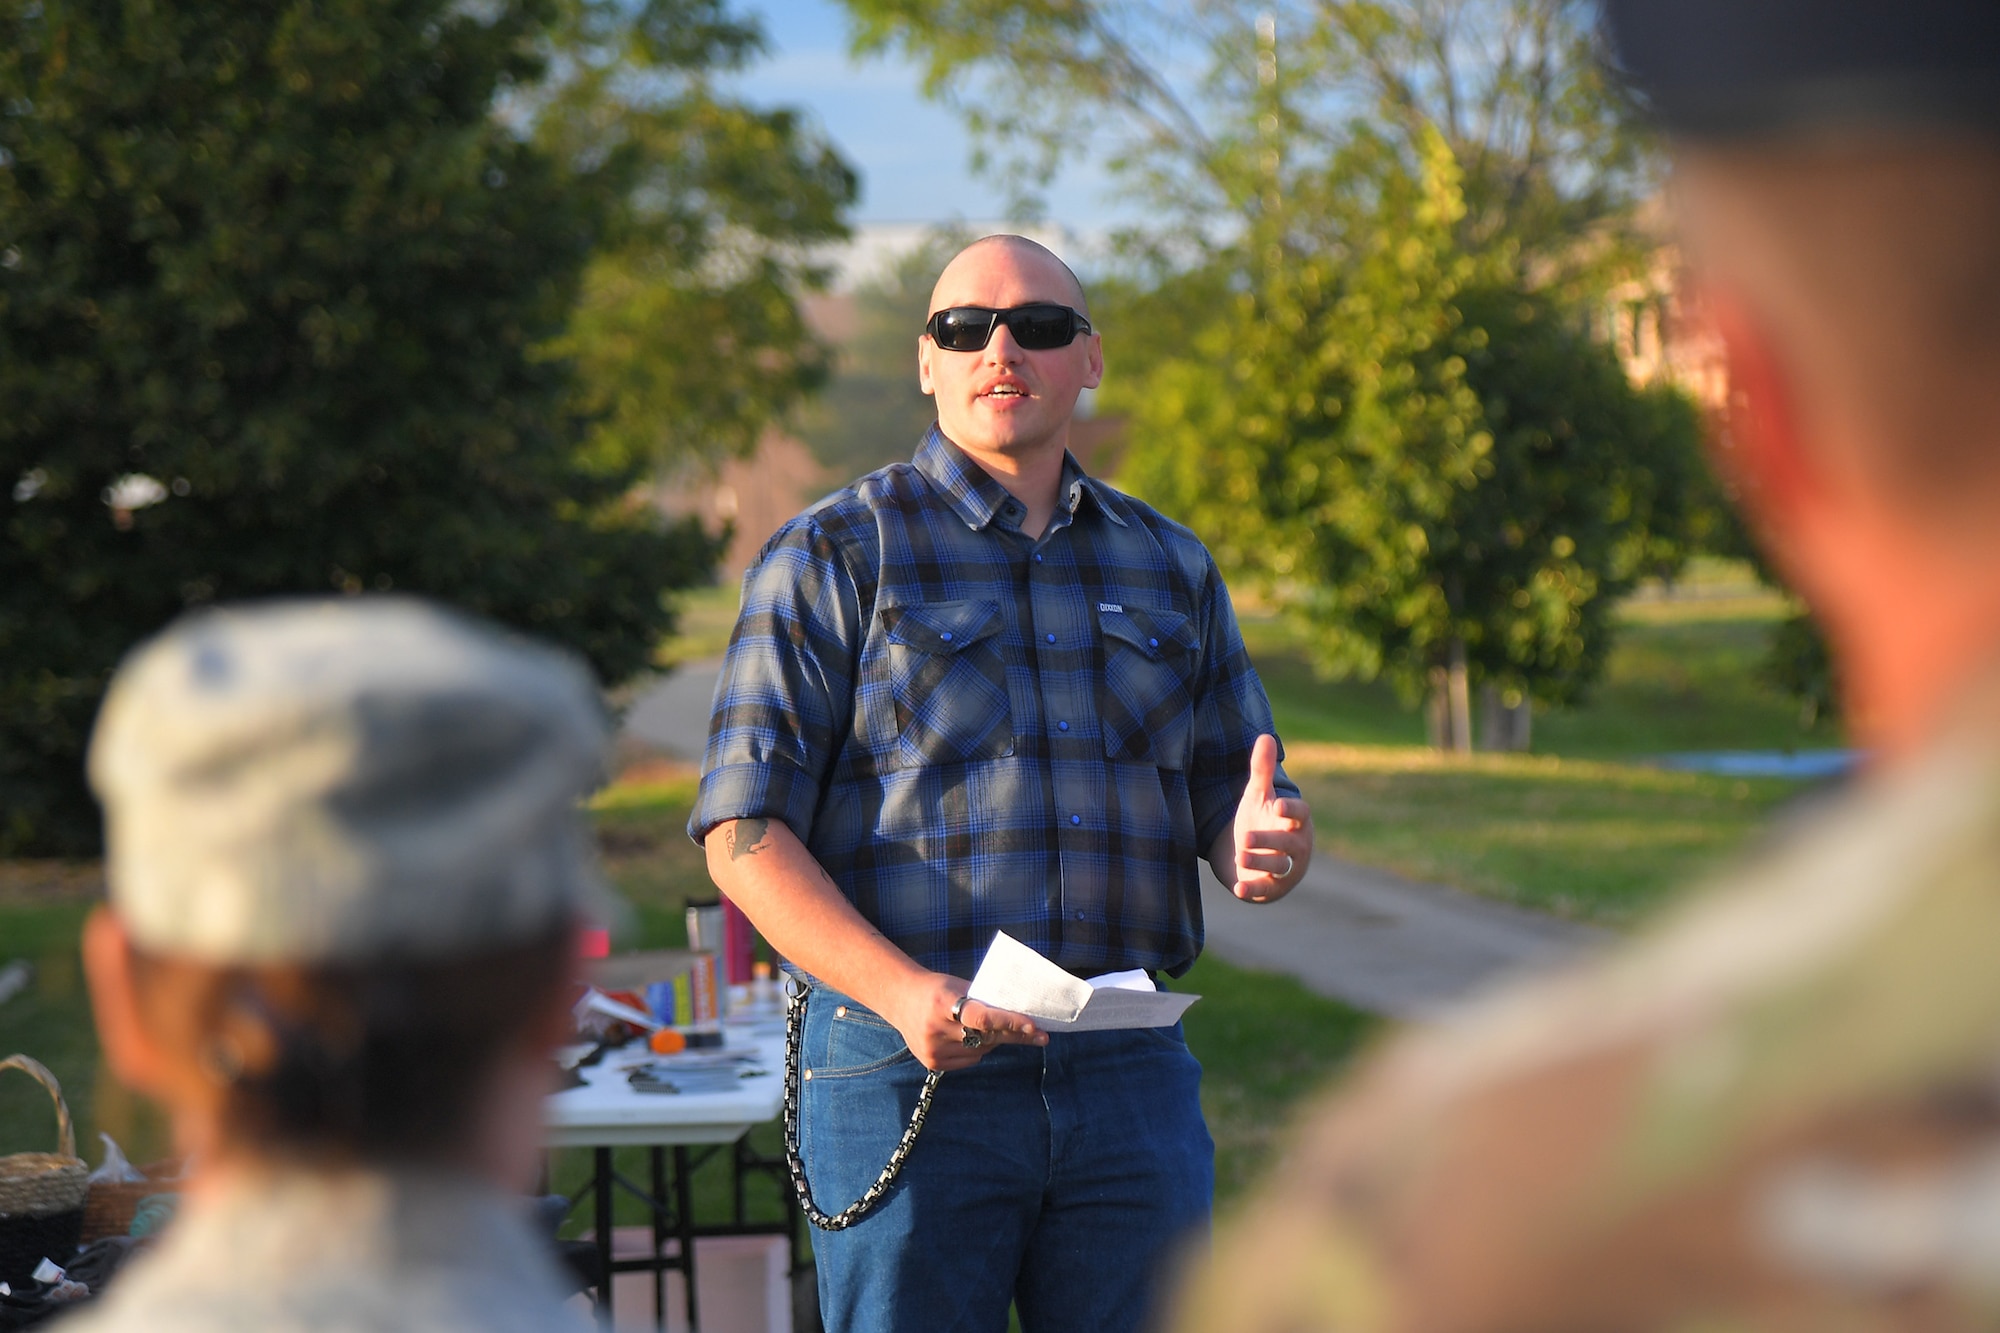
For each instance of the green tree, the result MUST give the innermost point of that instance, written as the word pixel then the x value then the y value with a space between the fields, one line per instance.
pixel 1798 660
pixel 1588 486
pixel 277 293
pixel 1800 663
pixel 688 336
pixel 1431 467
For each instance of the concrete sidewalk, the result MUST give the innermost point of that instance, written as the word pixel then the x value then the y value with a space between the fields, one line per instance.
pixel 671 714
pixel 1383 943
pixel 1365 937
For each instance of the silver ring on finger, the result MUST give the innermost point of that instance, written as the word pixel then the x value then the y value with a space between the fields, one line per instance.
pixel 973 1038
pixel 958 1007
pixel 1288 866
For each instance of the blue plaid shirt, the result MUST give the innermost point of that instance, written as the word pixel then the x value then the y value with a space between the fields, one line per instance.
pixel 974 731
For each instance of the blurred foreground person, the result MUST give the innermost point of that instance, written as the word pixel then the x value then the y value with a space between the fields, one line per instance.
pixel 1781 1110
pixel 347 869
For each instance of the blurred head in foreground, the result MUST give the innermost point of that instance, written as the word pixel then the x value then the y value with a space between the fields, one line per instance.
pixel 1779 1108
pixel 347 868
pixel 1837 185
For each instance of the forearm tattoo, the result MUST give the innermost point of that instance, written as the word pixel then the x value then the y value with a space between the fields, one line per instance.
pixel 746 837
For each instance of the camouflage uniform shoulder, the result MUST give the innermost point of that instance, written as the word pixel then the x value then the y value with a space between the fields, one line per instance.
pixel 1717 1120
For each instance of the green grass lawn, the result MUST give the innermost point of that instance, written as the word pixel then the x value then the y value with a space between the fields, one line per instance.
pixel 1682 675
pixel 1585 839
pixel 1580 827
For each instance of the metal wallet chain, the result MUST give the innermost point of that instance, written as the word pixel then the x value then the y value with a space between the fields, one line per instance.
pixel 795 1023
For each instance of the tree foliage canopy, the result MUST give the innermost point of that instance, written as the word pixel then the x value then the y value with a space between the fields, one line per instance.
pixel 688 336
pixel 1404 446
pixel 1221 112
pixel 282 302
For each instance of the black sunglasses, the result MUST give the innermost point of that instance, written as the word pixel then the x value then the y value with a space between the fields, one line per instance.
pixel 1037 327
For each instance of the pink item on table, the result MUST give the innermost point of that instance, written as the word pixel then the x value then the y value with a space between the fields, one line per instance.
pixel 737 937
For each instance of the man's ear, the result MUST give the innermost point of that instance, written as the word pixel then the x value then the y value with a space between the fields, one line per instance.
pixel 925 351
pixel 1095 352
pixel 1759 447
pixel 134 1056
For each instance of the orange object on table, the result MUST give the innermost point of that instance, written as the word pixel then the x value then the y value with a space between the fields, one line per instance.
pixel 667 1042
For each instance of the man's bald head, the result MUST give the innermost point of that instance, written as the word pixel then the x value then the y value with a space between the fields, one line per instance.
pixel 973 269
pixel 1000 402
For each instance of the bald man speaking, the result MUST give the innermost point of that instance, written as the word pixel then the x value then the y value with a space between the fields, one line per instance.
pixel 982 692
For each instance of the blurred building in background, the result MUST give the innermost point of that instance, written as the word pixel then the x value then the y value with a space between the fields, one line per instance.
pixel 1657 332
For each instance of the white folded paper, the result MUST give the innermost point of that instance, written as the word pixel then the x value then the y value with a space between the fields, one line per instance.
pixel 1013 976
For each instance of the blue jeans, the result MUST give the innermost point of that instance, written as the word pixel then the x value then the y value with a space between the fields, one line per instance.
pixel 1061 1178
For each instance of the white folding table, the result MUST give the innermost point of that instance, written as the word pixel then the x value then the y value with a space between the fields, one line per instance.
pixel 607 1113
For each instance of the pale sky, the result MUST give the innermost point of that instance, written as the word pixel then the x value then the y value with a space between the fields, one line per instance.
pixel 913 155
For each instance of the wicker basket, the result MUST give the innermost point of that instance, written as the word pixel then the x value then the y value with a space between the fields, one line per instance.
pixel 110 1206
pixel 41 1194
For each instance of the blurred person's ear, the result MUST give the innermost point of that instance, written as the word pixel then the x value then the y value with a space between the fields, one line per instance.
pixel 1759 449
pixel 555 1024
pixel 1910 605
pixel 134 1054
pixel 1831 537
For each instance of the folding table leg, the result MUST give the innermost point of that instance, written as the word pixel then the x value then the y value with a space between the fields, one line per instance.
pixel 601 1199
pixel 684 1219
pixel 659 1202
pixel 738 1152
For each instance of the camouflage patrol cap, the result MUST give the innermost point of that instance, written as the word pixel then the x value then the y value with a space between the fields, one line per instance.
pixel 346 779
pixel 1731 69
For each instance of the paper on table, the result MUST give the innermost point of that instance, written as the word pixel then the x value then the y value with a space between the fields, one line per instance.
pixel 1013 976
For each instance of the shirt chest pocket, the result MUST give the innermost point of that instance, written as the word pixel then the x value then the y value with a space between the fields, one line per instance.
pixel 1146 696
pixel 948 678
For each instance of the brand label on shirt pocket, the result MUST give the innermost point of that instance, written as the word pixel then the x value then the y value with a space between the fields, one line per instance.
pixel 1146 700
pixel 949 681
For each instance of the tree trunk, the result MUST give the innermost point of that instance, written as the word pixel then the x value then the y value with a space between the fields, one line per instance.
pixel 1504 727
pixel 1437 711
pixel 1459 691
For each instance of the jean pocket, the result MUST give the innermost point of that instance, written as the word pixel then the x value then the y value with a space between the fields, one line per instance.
pixel 858 1083
pixel 1145 699
pixel 948 678
pixel 856 1042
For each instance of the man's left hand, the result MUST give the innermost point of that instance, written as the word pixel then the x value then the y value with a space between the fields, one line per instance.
pixel 1272 841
